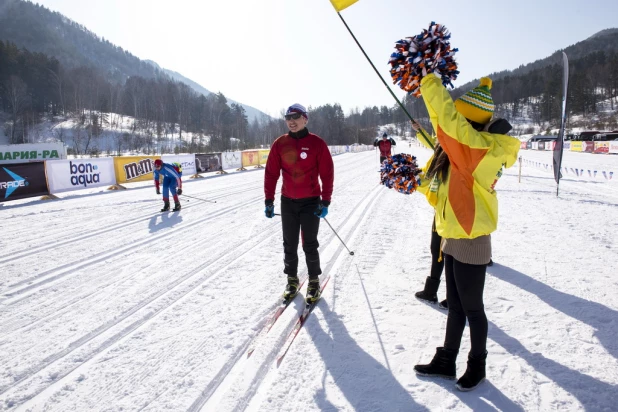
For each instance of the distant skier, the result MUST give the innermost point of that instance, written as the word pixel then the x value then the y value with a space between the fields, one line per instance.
pixel 172 182
pixel 385 146
pixel 301 157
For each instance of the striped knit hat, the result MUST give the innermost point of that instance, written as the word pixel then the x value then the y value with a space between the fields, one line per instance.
pixel 477 105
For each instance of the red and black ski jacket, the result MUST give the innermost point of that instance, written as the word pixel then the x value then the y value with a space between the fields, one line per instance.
pixel 301 158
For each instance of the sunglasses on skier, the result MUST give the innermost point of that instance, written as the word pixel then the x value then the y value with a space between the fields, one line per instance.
pixel 293 116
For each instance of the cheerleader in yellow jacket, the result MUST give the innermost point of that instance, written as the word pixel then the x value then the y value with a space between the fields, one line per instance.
pixel 459 182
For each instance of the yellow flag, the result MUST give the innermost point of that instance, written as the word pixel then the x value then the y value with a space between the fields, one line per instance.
pixel 342 4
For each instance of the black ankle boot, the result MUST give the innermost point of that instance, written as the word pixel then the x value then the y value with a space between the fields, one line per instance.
pixel 430 293
pixel 475 373
pixel 166 206
pixel 442 365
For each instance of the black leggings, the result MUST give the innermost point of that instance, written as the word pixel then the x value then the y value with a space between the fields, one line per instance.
pixel 437 261
pixel 297 217
pixel 464 293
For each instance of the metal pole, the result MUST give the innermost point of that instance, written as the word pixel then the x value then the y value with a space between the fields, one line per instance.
pixel 335 232
pixel 385 84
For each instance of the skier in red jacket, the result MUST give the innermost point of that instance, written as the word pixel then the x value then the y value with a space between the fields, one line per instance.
pixel 385 146
pixel 301 157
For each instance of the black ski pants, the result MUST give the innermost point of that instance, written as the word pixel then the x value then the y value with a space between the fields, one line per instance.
pixel 297 218
pixel 464 292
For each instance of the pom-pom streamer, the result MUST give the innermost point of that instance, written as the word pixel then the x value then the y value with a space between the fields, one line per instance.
pixel 400 172
pixel 430 50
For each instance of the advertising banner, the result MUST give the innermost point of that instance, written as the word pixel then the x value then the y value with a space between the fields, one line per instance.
pixel 208 162
pixel 231 160
pixel 613 147
pixel 19 153
pixel 567 145
pixel 22 180
pixel 601 147
pixel 131 169
pixel 186 161
pixel 540 145
pixel 588 147
pixel 66 175
pixel 250 158
pixel 263 156
pixel 577 146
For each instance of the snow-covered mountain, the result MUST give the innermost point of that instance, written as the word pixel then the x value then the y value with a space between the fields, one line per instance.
pixel 252 112
pixel 55 35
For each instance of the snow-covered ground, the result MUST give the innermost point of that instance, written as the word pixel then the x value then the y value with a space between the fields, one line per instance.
pixel 108 305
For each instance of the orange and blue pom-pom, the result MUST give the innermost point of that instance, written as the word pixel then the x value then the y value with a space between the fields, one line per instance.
pixel 429 50
pixel 400 172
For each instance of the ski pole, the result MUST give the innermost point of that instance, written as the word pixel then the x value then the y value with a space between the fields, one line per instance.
pixel 335 232
pixel 203 200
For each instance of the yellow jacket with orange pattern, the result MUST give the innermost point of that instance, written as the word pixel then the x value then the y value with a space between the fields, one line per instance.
pixel 466 203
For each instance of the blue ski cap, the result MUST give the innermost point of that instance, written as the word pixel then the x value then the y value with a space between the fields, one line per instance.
pixel 298 108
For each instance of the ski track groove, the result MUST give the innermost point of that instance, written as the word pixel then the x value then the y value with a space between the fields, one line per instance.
pixel 56 312
pixel 71 268
pixel 267 364
pixel 134 325
pixel 86 235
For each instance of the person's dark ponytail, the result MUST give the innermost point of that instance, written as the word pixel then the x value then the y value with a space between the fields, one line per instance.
pixel 439 164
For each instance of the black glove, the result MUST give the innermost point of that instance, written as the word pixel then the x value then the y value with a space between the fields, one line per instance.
pixel 158 191
pixel 179 191
pixel 498 126
pixel 269 210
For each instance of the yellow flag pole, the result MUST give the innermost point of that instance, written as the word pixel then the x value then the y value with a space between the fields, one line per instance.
pixel 385 84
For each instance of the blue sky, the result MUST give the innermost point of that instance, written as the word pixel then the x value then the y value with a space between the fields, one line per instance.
pixel 271 53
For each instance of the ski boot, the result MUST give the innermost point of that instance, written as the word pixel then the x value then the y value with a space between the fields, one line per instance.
pixel 291 289
pixel 176 207
pixel 166 206
pixel 313 291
